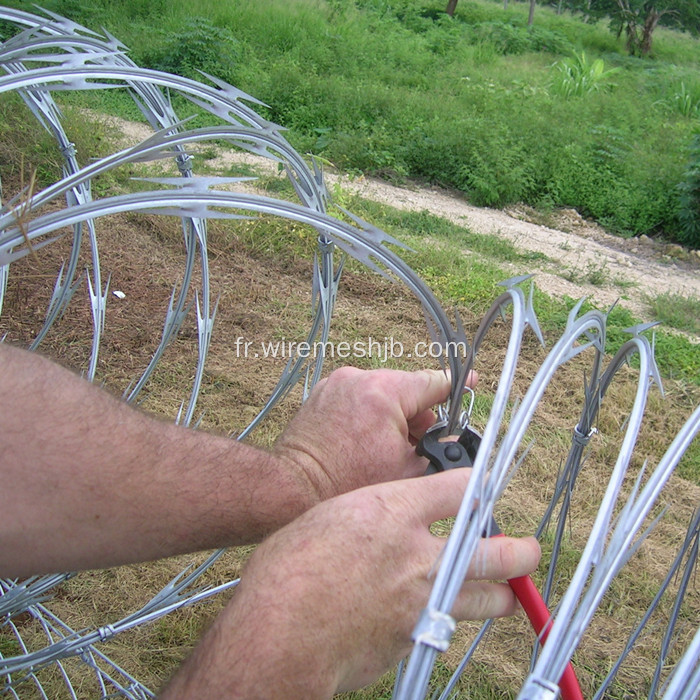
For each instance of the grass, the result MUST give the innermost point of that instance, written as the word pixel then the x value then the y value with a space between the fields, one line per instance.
pixel 677 311
pixel 597 275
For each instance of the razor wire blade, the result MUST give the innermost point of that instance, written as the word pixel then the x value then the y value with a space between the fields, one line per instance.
pixel 53 54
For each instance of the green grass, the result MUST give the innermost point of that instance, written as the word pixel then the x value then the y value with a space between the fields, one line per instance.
pixel 400 90
pixel 677 311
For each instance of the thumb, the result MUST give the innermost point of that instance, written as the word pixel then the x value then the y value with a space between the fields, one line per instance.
pixel 437 496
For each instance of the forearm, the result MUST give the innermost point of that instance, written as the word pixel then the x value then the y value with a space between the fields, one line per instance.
pixel 89 482
pixel 261 647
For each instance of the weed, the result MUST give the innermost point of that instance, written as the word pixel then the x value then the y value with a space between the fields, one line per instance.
pixel 579 76
pixel 677 311
pixel 597 275
pixel 594 274
pixel 198 46
pixel 624 283
pixel 689 198
pixel 686 101
pixel 572 274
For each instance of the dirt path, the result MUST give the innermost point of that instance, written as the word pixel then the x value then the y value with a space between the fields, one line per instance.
pixel 628 270
pixel 581 259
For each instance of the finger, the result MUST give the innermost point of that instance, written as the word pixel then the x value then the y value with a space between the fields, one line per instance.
pixel 501 558
pixel 419 424
pixel 317 388
pixel 418 391
pixel 437 496
pixel 481 600
pixel 426 419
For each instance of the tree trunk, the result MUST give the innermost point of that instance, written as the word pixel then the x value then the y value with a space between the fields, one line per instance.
pixel 451 5
pixel 632 38
pixel 531 16
pixel 505 4
pixel 650 23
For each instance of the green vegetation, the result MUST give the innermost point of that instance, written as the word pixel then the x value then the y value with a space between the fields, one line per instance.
pixel 578 76
pixel 401 90
pixel 678 311
pixel 690 192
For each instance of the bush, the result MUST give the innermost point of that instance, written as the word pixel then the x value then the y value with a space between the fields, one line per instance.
pixel 199 46
pixel 511 39
pixel 689 199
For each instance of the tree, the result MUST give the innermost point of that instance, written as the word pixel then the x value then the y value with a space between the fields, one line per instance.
pixel 531 14
pixel 451 5
pixel 639 18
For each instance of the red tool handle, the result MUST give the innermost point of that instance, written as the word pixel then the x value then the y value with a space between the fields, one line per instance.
pixel 540 619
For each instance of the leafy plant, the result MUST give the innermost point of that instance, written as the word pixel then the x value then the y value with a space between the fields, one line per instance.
pixel 199 45
pixel 578 76
pixel 689 199
pixel 509 39
pixel 686 101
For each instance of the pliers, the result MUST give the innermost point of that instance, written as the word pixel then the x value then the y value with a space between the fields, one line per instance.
pixel 449 451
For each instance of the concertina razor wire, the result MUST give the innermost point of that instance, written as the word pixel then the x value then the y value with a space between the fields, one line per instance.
pixel 51 53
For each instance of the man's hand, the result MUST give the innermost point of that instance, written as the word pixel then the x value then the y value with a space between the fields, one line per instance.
pixel 329 602
pixel 360 427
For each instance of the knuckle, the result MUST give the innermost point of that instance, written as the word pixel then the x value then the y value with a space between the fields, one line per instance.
pixel 343 374
pixel 480 604
pixel 507 556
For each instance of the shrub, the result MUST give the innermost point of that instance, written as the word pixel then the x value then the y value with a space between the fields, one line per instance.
pixel 689 199
pixel 512 39
pixel 200 45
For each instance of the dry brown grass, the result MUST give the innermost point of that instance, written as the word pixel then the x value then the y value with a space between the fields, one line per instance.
pixel 264 294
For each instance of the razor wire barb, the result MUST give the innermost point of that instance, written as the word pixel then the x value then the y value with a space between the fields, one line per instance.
pixel 52 53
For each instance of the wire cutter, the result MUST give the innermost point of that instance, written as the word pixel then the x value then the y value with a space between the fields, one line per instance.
pixel 448 452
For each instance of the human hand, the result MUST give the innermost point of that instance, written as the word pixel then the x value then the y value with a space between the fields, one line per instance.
pixel 360 427
pixel 329 602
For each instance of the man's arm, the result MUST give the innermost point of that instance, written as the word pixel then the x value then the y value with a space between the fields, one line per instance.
pixel 91 482
pixel 329 602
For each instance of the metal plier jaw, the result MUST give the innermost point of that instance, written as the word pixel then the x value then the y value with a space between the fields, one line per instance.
pixel 447 451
